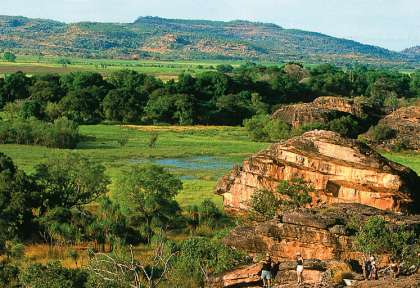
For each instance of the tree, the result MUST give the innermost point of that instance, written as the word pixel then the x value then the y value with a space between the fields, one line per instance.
pixel 17 199
pixel 9 57
pixel 149 193
pixel 69 181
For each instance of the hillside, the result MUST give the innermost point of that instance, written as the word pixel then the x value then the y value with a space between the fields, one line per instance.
pixel 183 39
pixel 413 52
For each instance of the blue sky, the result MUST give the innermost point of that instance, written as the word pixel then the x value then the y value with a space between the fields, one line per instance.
pixel 393 24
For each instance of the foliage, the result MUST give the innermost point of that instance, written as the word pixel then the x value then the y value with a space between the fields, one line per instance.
pixel 149 193
pixel 9 57
pixel 377 236
pixel 264 203
pixel 70 180
pixel 63 133
pixel 52 275
pixel 263 128
pixel 381 133
pixel 17 199
pixel 346 126
pixel 199 257
pixel 296 192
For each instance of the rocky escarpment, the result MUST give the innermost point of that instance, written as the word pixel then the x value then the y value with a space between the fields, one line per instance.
pixel 322 110
pixel 339 169
pixel 321 235
pixel 406 124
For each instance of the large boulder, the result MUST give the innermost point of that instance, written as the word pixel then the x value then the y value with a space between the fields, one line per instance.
pixel 304 113
pixel 341 170
pixel 322 110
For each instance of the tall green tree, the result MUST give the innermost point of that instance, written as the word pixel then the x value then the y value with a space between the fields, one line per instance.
pixel 149 193
pixel 70 180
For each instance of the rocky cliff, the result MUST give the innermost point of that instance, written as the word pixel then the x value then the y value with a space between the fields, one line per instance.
pixel 340 170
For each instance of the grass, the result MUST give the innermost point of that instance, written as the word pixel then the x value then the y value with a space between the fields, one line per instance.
pixel 165 70
pixel 199 155
pixel 409 159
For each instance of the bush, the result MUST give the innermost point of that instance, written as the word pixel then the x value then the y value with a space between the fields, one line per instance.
pixel 381 133
pixel 377 236
pixel 52 275
pixel 263 128
pixel 346 126
pixel 264 204
pixel 295 192
pixel 63 133
pixel 255 127
pixel 200 257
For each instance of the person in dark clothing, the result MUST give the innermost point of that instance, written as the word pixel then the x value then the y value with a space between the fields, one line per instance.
pixel 367 268
pixel 266 271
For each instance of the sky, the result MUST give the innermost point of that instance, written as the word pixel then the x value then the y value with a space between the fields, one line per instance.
pixel 393 24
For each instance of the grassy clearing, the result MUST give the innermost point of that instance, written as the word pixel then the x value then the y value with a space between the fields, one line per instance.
pixel 199 155
pixel 409 159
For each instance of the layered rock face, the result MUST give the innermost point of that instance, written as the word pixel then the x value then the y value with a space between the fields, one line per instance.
pixel 406 123
pixel 340 170
pixel 319 234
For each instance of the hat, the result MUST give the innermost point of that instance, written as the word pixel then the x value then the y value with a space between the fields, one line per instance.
pixel 372 258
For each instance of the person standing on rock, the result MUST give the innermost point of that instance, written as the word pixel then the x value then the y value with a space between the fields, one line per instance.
pixel 266 271
pixel 299 268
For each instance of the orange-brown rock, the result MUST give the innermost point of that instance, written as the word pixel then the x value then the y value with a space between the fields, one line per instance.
pixel 355 106
pixel 319 234
pixel 341 170
pixel 406 124
pixel 304 113
pixel 322 110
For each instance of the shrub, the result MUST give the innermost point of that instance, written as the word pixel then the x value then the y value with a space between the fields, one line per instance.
pixel 381 133
pixel 264 129
pixel 255 127
pixel 377 236
pixel 263 203
pixel 295 192
pixel 63 133
pixel 346 126
pixel 52 275
pixel 200 257
pixel 307 127
pixel 277 129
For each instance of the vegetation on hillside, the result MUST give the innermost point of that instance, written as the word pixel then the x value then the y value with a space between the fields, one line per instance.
pixel 152 37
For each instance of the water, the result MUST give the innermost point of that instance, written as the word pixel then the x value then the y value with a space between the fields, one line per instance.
pixel 191 163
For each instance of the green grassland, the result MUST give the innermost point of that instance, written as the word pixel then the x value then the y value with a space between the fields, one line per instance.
pixel 199 155
pixel 163 69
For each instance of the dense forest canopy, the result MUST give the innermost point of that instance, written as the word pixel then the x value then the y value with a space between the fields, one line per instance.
pixel 213 97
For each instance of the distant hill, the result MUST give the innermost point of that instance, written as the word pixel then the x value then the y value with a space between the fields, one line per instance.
pixel 413 51
pixel 154 37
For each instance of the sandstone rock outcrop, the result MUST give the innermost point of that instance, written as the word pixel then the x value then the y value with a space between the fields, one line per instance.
pixel 355 106
pixel 406 124
pixel 321 235
pixel 304 113
pixel 322 110
pixel 341 171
